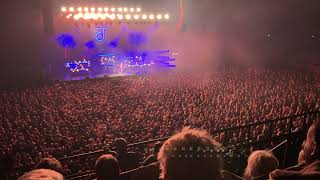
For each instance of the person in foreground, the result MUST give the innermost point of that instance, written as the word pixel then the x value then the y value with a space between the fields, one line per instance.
pixel 107 168
pixel 310 168
pixel 42 174
pixel 260 164
pixel 190 155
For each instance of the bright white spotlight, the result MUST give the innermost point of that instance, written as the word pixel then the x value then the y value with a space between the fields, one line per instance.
pixel 151 16
pixel 112 16
pixel 100 9
pixel 80 15
pixel 131 9
pixel 63 9
pixel 113 9
pixel 80 9
pixel 99 15
pixel 87 16
pixel 103 16
pixel 94 16
pixel 69 16
pixel 125 9
pixel 93 9
pixel 167 16
pixel 120 9
pixel 86 9
pixel 128 16
pixel 71 9
pixel 144 16
pixel 120 16
pixel 136 17
pixel 76 17
pixel 105 9
pixel 138 9
pixel 159 16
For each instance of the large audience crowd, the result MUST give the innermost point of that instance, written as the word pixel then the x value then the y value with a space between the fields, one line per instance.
pixel 67 118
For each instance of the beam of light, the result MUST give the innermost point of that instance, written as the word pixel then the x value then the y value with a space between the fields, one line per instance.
pixel 120 9
pixel 159 16
pixel 125 9
pixel 63 9
pixel 86 9
pixel 131 9
pixel 113 9
pixel 138 9
pixel 71 9
pixel 93 9
pixel 80 9
pixel 106 9
pixel 167 16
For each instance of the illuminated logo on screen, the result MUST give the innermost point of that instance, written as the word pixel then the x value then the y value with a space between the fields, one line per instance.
pixel 101 33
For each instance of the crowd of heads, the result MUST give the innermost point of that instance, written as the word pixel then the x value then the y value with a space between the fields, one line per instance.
pixel 68 118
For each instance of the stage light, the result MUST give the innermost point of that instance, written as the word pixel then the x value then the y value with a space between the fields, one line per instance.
pixel 120 9
pixel 80 9
pixel 151 16
pixel 103 16
pixel 80 15
pixel 125 9
pixel 131 9
pixel 144 16
pixel 93 9
pixel 113 9
pixel 99 9
pixel 128 16
pixel 86 16
pixel 105 9
pixel 138 9
pixel 112 16
pixel 136 16
pixel 71 9
pixel 94 16
pixel 159 16
pixel 166 16
pixel 63 9
pixel 86 9
pixel 120 16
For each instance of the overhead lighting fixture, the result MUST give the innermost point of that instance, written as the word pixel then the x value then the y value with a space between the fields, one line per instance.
pixel 63 9
pixel 144 16
pixel 136 17
pixel 128 16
